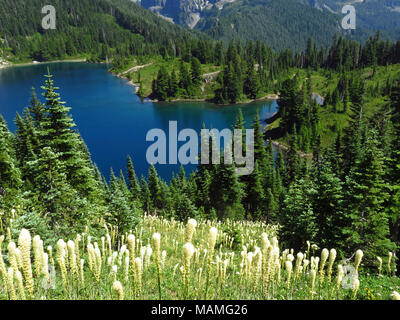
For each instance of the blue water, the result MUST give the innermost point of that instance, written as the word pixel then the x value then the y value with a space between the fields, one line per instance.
pixel 110 116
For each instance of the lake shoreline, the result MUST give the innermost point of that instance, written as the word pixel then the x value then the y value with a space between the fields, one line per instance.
pixel 32 63
pixel 121 75
pixel 111 118
pixel 269 97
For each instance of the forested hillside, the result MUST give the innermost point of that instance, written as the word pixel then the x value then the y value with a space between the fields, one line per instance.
pixel 97 29
pixel 372 15
pixel 332 181
pixel 346 196
pixel 246 72
pixel 281 24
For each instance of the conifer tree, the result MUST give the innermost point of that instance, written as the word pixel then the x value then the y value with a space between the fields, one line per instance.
pixel 293 160
pixel 298 218
pixel 57 132
pixel 36 108
pixel 58 199
pixel 133 182
pixel 328 207
pixel 154 186
pixel 173 85
pixel 251 85
pixel 146 196
pixel 185 79
pixel 195 70
pixel 184 208
pixel 227 192
pixel 120 213
pixel 365 194
pixel 255 197
pixel 10 175
pixel 160 86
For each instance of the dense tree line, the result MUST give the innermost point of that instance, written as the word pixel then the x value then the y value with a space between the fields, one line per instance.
pixel 254 69
pixel 282 24
pixel 46 169
pixel 100 29
pixel 170 85
pixel 346 197
pixel 345 54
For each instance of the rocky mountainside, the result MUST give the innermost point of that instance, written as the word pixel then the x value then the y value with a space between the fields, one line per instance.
pixel 280 23
pixel 185 12
pixel 371 15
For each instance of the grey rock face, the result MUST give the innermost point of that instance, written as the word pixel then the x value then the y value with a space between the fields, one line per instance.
pixel 186 12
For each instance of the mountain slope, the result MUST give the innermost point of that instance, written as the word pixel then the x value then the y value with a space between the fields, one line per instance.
pixel 280 23
pixel 94 27
pixel 371 15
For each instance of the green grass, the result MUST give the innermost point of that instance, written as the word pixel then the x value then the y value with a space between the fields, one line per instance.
pixel 324 82
pixel 149 73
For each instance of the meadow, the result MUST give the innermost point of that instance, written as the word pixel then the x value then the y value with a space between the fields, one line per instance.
pixel 168 259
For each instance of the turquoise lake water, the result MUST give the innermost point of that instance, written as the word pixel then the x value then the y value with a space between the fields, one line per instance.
pixel 110 117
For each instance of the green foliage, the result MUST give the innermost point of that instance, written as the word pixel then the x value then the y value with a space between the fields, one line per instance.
pixel 37 224
pixel 99 30
pixel 281 24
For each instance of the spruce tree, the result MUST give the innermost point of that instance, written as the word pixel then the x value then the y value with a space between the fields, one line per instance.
pixel 146 196
pixel 365 195
pixel 255 197
pixel 154 186
pixel 121 215
pixel 10 175
pixel 328 207
pixel 57 132
pixel 160 88
pixel 195 71
pixel 251 85
pixel 293 160
pixel 298 219
pixel 37 109
pixel 173 85
pixel 62 204
pixel 133 182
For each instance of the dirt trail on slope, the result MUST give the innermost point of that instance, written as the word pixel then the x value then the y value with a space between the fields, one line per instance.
pixel 135 68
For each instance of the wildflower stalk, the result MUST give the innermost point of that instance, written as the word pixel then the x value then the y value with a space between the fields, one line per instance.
pixel 117 286
pixel 61 261
pixel 289 267
pixel 313 275
pixel 24 242
pixel 138 275
pixel 389 263
pixel 324 257
pixel 190 228
pixel 3 269
pixel 10 283
pixel 21 289
pixel 212 239
pixel 188 251
pixel 380 265
pixel 332 257
pixel 356 285
pixel 156 245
